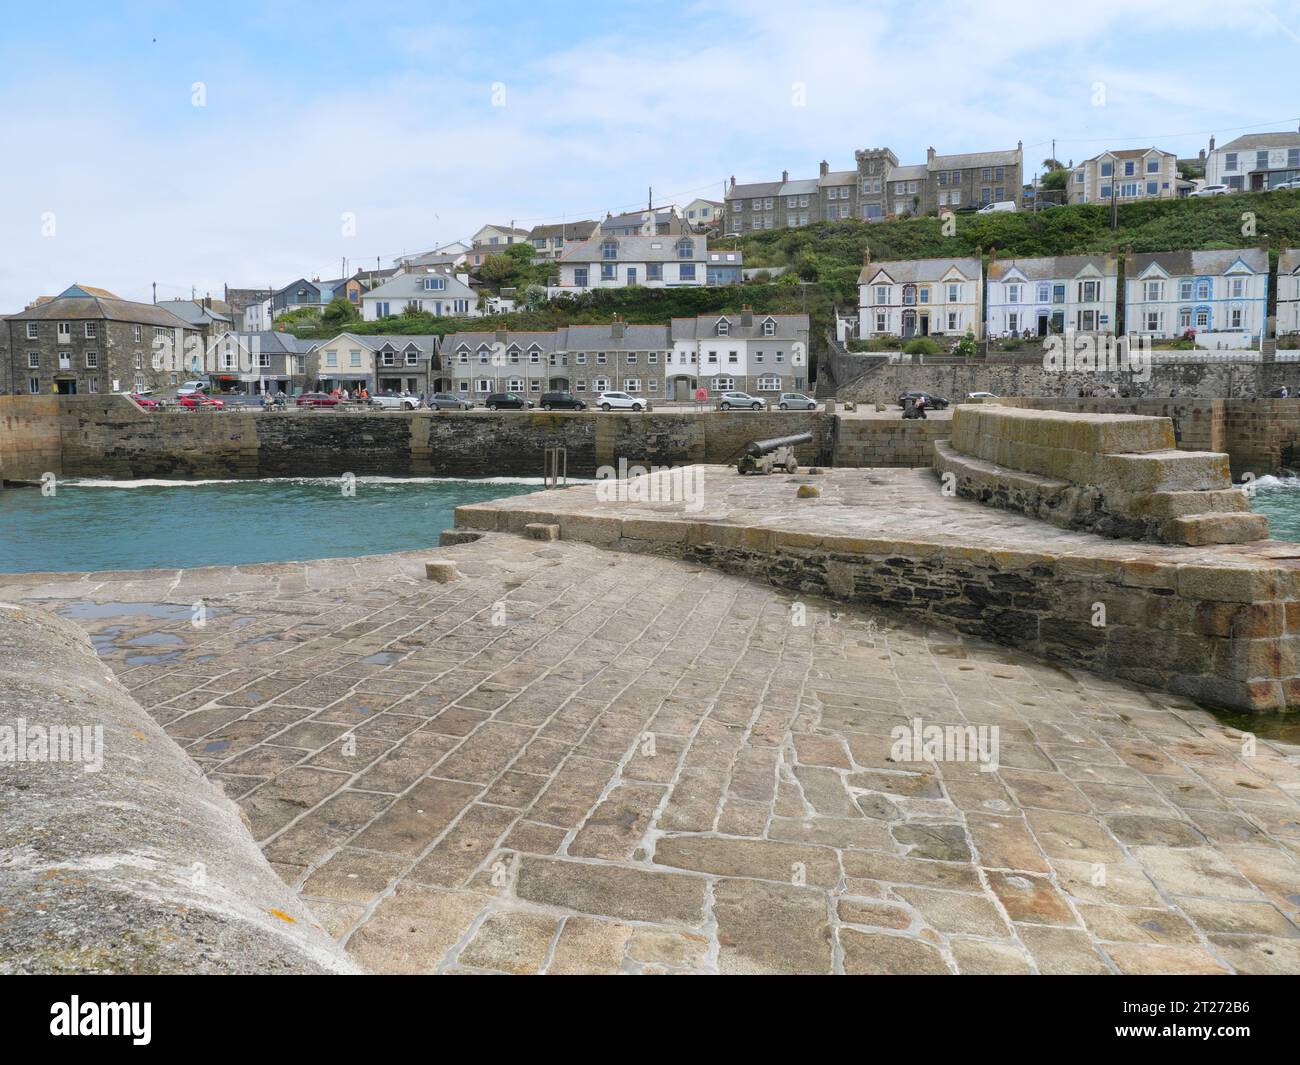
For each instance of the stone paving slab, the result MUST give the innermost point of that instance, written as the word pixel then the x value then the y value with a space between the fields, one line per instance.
pixel 580 761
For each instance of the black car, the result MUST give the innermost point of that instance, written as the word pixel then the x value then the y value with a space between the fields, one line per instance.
pixel 562 401
pixel 507 401
pixel 931 402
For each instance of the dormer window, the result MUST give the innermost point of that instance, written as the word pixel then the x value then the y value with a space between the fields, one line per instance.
pixel 609 249
pixel 724 327
pixel 435 284
pixel 685 248
pixel 769 328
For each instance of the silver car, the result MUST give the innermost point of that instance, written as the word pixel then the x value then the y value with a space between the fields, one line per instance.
pixel 395 402
pixel 796 401
pixel 739 401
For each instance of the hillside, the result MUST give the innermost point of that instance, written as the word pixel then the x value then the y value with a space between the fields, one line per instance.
pixel 826 258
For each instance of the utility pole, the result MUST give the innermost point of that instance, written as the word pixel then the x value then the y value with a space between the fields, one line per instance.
pixel 155 292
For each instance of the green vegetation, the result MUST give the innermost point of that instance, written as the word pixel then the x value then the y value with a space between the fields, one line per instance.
pixel 921 346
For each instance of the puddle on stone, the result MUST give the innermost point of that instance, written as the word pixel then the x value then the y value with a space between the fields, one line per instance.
pixel 155 639
pixel 381 658
pixel 82 609
pixel 151 660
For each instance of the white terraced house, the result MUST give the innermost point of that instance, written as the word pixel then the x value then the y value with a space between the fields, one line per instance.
pixel 664 261
pixel 756 353
pixel 1255 162
pixel 1051 294
pixel 438 292
pixel 1288 292
pixel 1222 295
pixel 921 297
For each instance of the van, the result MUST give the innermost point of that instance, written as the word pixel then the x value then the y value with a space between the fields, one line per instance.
pixel 1000 205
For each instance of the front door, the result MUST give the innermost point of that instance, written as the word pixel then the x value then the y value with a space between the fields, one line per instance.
pixel 631 275
pixel 925 325
pixel 1042 323
pixel 909 324
pixel 66 388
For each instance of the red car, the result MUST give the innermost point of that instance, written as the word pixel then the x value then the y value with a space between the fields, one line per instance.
pixel 195 400
pixel 147 402
pixel 317 399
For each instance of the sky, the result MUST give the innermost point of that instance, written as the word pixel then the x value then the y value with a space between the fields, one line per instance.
pixel 195 146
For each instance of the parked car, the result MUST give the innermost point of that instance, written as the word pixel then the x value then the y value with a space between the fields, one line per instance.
pixel 392 402
pixel 1294 183
pixel 317 399
pixel 188 388
pixel 507 401
pixel 147 402
pixel 739 400
pixel 996 206
pixel 195 400
pixel 619 401
pixel 796 401
pixel 931 402
pixel 1212 190
pixel 979 395
pixel 446 401
pixel 562 401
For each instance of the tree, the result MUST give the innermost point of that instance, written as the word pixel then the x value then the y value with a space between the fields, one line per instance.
pixel 1052 164
pixel 338 313
pixel 498 268
pixel 1055 180
pixel 521 253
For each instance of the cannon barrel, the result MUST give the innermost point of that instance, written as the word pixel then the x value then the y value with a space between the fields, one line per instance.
pixel 766 447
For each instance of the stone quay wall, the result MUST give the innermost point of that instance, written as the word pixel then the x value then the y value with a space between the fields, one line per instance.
pixel 139 866
pixel 30 438
pixel 109 436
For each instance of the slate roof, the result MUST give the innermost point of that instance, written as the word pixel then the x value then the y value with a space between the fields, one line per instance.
pixel 1289 261
pixel 427 343
pixel 108 308
pixel 755 190
pixel 1051 267
pixel 971 160
pixel 271 342
pixel 914 172
pixel 568 338
pixel 907 271
pixel 704 327
pixel 567 230
pixel 411 286
pixel 193 312
pixel 524 339
pixel 799 187
pixel 1261 140
pixel 661 248
pixel 1197 263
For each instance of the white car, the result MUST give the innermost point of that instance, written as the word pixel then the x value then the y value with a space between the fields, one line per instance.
pixel 618 401
pixel 981 395
pixel 999 205
pixel 1212 190
pixel 1294 183
pixel 395 402
pixel 188 388
pixel 796 401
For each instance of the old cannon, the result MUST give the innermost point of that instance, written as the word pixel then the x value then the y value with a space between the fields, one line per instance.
pixel 776 453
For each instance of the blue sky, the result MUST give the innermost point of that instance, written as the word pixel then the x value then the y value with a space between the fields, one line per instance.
pixel 387 114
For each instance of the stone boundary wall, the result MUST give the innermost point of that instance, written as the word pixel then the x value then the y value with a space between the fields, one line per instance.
pixel 1117 475
pixel 108 436
pixel 1224 631
pixel 888 442
pixel 30 440
pixel 141 867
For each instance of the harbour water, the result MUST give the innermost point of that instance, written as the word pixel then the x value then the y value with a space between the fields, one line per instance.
pixel 1278 498
pixel 101 525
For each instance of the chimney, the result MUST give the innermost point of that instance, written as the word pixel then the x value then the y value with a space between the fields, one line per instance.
pixel 733 181
pixel 825 169
pixel 993 255
pixel 929 155
pixel 503 336
pixel 785 176
pixel 866 256
pixel 1201 155
pixel 618 328
pixel 1020 146
pixel 747 315
pixel 1211 143
pixel 1130 263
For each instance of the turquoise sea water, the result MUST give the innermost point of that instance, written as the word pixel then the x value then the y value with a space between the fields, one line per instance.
pixel 99 525
pixel 1278 498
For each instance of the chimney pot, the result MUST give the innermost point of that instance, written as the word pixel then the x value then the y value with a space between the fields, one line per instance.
pixel 825 168
pixel 785 176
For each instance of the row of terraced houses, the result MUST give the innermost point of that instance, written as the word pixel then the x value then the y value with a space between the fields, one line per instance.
pixel 1220 295
pixel 88 340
